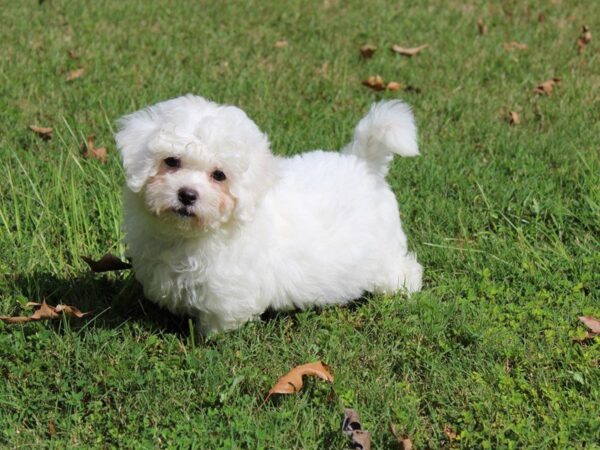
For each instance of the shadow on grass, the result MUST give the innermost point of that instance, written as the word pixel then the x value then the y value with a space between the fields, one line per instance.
pixel 112 300
pixel 354 305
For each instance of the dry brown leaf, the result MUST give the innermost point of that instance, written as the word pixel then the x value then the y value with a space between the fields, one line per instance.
pixel 508 46
pixel 44 132
pixel 541 18
pixel 17 319
pixel 74 74
pixel 73 54
pixel 44 311
pixel 450 434
pixel 292 381
pixel 361 440
pixel 90 150
pixel 586 34
pixel 393 86
pixel 350 422
pixel 547 87
pixel 351 427
pixel 108 263
pixel 367 50
pixel 405 51
pixel 584 39
pixel 375 82
pixel 403 442
pixel 514 118
pixel 591 323
pixel 69 310
pixel 280 44
pixel 481 27
pixel 51 428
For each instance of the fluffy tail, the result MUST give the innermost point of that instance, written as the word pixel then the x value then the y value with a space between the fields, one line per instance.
pixel 389 128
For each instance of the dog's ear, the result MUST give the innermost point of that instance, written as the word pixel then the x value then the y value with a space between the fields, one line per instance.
pixel 253 182
pixel 255 171
pixel 135 133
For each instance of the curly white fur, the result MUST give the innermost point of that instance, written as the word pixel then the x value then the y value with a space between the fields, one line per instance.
pixel 315 229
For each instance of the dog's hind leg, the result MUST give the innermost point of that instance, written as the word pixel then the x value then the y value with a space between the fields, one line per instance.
pixel 405 274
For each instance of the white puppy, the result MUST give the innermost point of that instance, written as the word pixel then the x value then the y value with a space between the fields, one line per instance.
pixel 219 228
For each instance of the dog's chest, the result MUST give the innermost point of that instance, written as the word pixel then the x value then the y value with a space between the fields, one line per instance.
pixel 173 281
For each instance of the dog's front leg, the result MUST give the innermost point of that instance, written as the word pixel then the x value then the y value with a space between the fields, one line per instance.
pixel 211 323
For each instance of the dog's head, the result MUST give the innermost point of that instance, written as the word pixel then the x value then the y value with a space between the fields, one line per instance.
pixel 193 164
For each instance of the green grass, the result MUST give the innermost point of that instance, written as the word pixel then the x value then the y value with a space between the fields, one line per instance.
pixel 505 219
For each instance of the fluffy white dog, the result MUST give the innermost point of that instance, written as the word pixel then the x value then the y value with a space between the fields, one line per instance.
pixel 219 228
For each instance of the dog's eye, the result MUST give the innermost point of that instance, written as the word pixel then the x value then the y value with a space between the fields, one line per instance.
pixel 218 175
pixel 171 161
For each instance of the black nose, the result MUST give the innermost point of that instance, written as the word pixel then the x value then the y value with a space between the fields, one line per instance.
pixel 187 196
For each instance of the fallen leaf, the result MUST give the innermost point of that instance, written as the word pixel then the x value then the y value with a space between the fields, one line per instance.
pixel 393 86
pixel 451 435
pixel 591 323
pixel 404 51
pixel 361 440
pixel 350 422
pixel 547 87
pixel 51 428
pixel 514 118
pixel 514 46
pixel 108 263
pixel 541 18
pixel 44 132
pixel 403 442
pixel 367 50
pixel 44 311
pixel 280 44
pixel 351 427
pixel 375 82
pixel 584 39
pixel 74 74
pixel 292 381
pixel 90 150
pixel 73 54
pixel 481 27
pixel 586 34
pixel 69 310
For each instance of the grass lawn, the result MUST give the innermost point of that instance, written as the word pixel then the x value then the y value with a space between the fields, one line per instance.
pixel 504 218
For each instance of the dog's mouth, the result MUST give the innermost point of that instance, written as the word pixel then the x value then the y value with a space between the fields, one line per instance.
pixel 184 212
